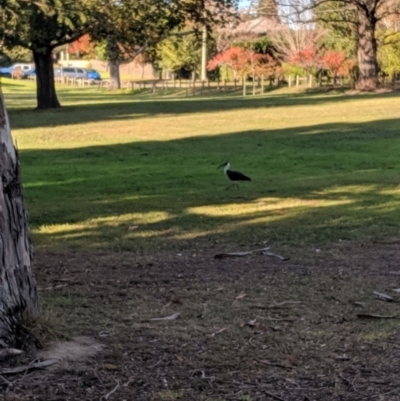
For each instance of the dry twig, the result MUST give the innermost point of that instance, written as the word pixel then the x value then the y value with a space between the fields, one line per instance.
pixel 262 251
pixel 278 305
pixel 273 396
pixel 24 368
pixel 372 316
pixel 273 364
pixel 4 353
pixel 56 287
pixel 105 397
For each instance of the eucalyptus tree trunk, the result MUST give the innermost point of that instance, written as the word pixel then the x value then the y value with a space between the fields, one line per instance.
pixel 18 291
pixel 367 50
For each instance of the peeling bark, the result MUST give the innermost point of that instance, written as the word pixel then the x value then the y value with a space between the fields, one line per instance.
pixel 18 290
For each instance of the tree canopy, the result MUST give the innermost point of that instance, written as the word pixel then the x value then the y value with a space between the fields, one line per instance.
pixel 355 18
pixel 127 26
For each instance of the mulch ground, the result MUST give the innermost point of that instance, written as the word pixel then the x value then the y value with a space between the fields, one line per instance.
pixel 249 328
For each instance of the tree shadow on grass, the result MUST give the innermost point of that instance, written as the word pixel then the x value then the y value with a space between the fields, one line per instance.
pixel 107 106
pixel 314 184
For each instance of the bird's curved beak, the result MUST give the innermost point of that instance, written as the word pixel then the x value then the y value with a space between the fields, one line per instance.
pixel 222 165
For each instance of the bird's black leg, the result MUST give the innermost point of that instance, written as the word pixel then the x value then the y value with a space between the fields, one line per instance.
pixel 229 187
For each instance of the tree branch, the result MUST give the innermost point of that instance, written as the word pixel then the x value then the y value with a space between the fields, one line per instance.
pixel 70 39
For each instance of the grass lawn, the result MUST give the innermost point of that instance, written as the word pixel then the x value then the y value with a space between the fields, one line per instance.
pixel 109 174
pixel 138 171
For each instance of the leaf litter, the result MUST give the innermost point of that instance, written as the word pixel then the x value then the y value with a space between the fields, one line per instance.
pixel 307 347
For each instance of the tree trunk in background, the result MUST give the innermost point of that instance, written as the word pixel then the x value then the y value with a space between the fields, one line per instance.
pixel 45 88
pixel 115 80
pixel 367 51
pixel 18 290
pixel 113 55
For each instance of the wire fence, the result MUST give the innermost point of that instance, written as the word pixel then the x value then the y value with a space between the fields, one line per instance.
pixel 197 87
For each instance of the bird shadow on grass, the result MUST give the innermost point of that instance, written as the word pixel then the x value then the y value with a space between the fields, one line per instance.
pixel 309 184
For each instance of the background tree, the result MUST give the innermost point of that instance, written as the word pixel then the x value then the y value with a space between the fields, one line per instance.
pixel 246 58
pixel 361 18
pixel 235 58
pixel 268 9
pixel 129 27
pixel 336 62
pixel 142 60
pixel 262 8
pixel 300 45
pixel 133 26
pixel 41 26
pixel 17 54
pixel 182 51
pixel 83 46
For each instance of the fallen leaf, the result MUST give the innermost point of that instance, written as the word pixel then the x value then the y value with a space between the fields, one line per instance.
pixel 219 331
pixel 171 317
pixel 259 326
pixel 241 295
pixel 343 357
pixel 383 297
pixel 276 328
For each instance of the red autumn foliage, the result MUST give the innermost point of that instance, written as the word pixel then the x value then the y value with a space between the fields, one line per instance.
pixel 82 46
pixel 334 60
pixel 306 58
pixel 243 62
pixel 336 63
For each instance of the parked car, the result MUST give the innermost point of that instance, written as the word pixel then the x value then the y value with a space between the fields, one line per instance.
pixel 6 71
pixel 30 74
pixel 77 73
pixel 18 69
pixel 93 74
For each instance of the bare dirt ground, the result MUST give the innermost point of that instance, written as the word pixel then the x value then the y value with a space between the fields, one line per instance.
pixel 252 328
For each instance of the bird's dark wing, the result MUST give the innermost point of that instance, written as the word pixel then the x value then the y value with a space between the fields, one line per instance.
pixel 237 176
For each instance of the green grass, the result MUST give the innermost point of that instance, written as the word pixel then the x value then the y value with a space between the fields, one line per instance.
pixel 139 171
